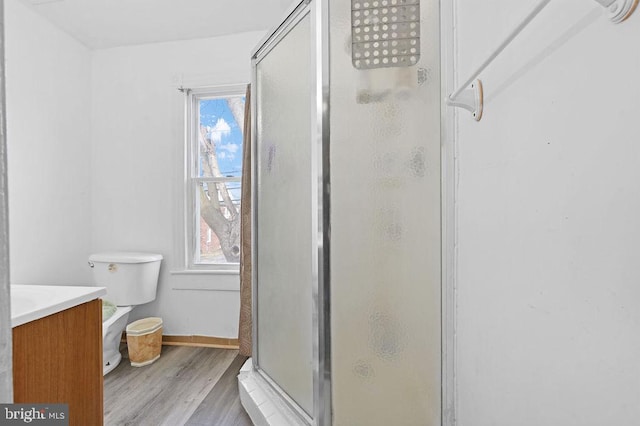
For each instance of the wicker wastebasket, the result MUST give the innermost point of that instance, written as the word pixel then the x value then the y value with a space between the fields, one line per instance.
pixel 144 340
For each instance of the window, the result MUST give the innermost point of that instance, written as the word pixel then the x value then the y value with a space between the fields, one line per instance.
pixel 215 121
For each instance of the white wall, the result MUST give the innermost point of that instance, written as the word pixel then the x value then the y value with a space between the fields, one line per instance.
pixel 548 213
pixel 6 373
pixel 94 140
pixel 48 134
pixel 137 136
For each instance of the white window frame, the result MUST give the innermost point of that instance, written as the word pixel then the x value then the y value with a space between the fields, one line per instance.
pixel 191 202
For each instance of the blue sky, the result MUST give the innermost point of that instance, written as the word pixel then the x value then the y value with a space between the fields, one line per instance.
pixel 217 117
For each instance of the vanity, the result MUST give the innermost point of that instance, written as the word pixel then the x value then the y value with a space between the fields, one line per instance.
pixel 57 348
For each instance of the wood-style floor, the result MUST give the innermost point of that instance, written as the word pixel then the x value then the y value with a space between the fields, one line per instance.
pixel 186 386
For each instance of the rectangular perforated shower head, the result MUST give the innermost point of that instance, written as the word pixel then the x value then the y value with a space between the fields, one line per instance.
pixel 385 33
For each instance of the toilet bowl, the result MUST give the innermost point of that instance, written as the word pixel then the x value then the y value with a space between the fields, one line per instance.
pixel 112 330
pixel 130 279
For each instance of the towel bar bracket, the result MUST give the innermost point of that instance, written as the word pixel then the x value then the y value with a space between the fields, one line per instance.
pixel 470 99
pixel 619 10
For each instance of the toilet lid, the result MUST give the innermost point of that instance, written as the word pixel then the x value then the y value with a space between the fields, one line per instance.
pixel 125 257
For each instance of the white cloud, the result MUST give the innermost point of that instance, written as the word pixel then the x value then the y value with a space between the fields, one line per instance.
pixel 221 129
pixel 224 151
pixel 232 148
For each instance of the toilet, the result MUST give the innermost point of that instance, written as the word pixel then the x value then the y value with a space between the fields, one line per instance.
pixel 130 279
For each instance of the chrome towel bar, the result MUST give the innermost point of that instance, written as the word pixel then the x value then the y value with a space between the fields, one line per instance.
pixel 470 93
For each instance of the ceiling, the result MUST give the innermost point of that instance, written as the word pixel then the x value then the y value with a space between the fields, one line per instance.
pixel 101 24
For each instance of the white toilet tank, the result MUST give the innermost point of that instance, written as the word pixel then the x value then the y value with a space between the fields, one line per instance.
pixel 130 278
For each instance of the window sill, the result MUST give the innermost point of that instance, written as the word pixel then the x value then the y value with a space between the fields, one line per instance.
pixel 205 272
pixel 212 280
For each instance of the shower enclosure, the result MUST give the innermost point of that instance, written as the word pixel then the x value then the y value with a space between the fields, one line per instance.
pixel 346 187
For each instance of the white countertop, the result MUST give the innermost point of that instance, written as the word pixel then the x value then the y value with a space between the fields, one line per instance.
pixel 32 302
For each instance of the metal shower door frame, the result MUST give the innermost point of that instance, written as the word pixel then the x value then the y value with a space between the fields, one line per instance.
pixel 320 178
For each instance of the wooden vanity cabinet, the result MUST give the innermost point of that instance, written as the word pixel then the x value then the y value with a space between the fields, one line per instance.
pixel 58 359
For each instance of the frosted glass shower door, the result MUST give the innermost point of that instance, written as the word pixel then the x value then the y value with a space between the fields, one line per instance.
pixel 385 219
pixel 284 218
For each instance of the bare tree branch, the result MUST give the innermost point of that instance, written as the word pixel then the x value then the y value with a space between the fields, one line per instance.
pixel 226 227
pixel 227 230
pixel 236 105
pixel 214 170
